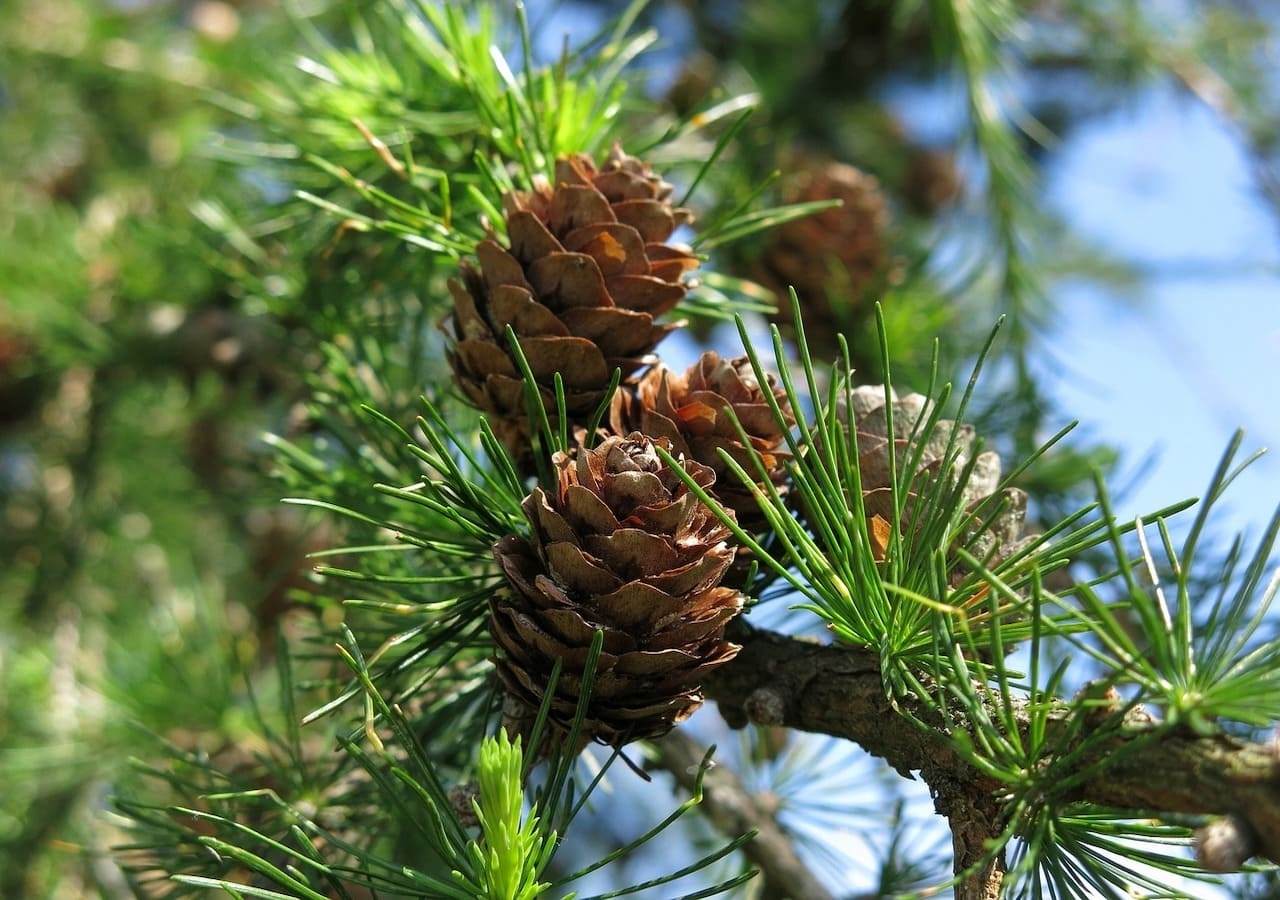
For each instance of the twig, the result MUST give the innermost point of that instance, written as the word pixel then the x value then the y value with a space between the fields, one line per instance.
pixel 974 819
pixel 734 811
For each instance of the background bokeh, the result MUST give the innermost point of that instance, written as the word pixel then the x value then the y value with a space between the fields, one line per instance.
pixel 164 301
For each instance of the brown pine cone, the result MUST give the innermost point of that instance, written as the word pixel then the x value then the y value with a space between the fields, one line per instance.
pixel 689 410
pixel 834 259
pixel 931 181
pixel 622 546
pixel 697 78
pixel 586 274
pixel 999 539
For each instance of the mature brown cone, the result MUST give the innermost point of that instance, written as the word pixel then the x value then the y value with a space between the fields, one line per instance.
pixel 931 181
pixel 691 411
pixel 839 255
pixel 999 539
pixel 697 78
pixel 586 274
pixel 622 546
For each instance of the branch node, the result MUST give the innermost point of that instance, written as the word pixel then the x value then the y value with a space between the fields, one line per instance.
pixel 1101 701
pixel 765 706
pixel 1226 844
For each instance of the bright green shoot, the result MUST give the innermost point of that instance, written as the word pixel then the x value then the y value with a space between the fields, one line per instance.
pixel 505 855
pixel 514 849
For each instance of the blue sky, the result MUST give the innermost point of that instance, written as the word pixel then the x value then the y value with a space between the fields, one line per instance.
pixel 1194 352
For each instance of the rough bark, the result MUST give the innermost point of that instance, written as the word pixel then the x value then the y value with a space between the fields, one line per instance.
pixel 974 819
pixel 838 691
pixel 734 811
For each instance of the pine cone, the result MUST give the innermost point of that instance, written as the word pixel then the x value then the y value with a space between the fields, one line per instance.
pixel 999 539
pixel 584 277
pixel 931 180
pixel 624 547
pixel 694 83
pixel 689 411
pixel 837 256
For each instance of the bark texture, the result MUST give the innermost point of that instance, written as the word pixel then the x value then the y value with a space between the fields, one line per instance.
pixel 838 691
pixel 974 819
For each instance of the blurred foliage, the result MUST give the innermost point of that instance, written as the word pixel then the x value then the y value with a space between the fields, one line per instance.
pixel 196 249
pixel 134 529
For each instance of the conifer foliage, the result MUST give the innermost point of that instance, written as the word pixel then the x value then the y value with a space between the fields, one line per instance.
pixel 549 546
pixel 572 583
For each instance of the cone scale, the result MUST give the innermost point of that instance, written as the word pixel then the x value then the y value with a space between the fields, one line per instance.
pixel 695 412
pixel 1000 538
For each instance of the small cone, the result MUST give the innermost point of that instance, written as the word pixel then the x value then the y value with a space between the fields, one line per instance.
pixel 931 181
pixel 622 546
pixel 584 276
pixel 999 538
pixel 835 259
pixel 694 83
pixel 692 411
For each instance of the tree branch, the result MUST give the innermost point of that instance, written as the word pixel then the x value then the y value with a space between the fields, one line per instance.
pixel 734 811
pixel 838 691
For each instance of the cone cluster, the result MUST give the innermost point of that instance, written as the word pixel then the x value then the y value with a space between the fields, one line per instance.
pixel 620 545
pixel 585 273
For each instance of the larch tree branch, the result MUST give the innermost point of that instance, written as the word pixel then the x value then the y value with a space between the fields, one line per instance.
pixel 838 691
